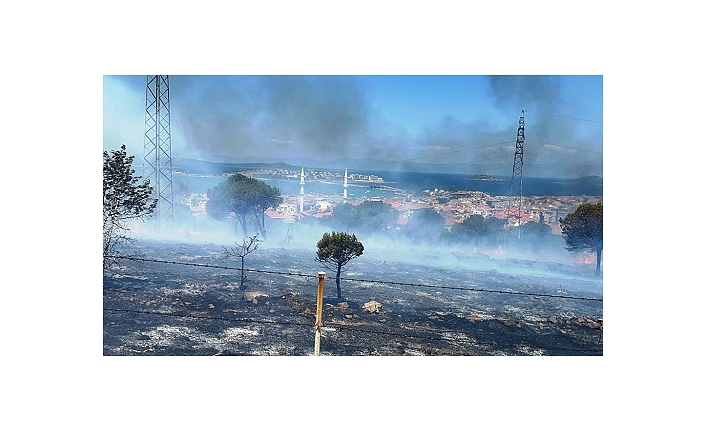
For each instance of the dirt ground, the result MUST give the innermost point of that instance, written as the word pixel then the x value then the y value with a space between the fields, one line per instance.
pixel 174 299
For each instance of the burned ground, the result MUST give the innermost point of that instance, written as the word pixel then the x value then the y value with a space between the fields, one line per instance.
pixel 184 299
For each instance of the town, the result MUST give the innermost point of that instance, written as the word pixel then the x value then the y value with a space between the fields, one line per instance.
pixel 454 206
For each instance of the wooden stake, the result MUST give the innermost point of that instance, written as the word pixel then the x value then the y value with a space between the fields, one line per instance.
pixel 319 313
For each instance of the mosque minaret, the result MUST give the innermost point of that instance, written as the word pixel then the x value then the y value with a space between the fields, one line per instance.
pixel 345 185
pixel 301 192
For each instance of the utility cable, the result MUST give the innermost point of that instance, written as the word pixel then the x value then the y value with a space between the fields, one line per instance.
pixel 431 286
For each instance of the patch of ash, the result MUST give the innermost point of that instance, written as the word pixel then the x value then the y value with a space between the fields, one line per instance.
pixel 192 289
pixel 531 318
pixel 232 333
pixel 128 276
pixel 531 351
pixel 271 350
pixel 454 336
pixel 169 336
pixel 163 335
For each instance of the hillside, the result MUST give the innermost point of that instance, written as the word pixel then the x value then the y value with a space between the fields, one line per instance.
pixel 183 299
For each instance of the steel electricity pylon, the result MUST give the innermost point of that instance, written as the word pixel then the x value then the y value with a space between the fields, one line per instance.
pixel 158 145
pixel 516 182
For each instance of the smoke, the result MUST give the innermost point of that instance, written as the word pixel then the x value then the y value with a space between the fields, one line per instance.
pixel 548 265
pixel 525 92
pixel 326 114
pixel 545 257
pixel 388 145
pixel 473 143
pixel 554 146
pixel 286 116
pixel 299 118
pixel 218 115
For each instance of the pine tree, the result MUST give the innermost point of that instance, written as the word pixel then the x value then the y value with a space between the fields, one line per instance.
pixel 583 230
pixel 335 250
pixel 124 199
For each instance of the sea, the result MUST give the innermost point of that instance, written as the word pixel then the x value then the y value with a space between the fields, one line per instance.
pixel 404 183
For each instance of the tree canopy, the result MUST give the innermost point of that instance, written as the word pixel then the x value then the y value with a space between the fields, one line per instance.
pixel 425 225
pixel 479 231
pixel 335 250
pixel 244 197
pixel 533 236
pixel 583 230
pixel 124 199
pixel 369 216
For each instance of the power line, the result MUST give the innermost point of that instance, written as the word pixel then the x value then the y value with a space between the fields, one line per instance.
pixel 431 286
pixel 565 116
pixel 564 146
pixel 471 289
pixel 343 327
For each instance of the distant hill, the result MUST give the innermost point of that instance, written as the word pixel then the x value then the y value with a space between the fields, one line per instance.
pixel 203 167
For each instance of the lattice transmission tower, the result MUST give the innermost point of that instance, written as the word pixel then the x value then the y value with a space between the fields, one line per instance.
pixel 158 145
pixel 516 182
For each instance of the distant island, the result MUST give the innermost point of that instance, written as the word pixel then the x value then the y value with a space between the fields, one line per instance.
pixel 481 177
pixel 201 167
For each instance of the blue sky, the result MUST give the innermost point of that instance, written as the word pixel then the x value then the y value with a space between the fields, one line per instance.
pixel 448 121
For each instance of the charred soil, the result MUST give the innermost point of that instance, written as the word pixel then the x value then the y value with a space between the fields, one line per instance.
pixel 183 299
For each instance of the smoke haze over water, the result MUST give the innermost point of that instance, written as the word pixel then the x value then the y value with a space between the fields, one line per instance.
pixel 550 134
pixel 467 121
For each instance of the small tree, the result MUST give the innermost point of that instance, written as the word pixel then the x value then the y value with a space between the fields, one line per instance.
pixel 124 199
pixel 335 250
pixel 583 231
pixel 249 245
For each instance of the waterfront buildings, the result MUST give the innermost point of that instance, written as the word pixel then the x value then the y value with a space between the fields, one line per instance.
pixel 454 206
